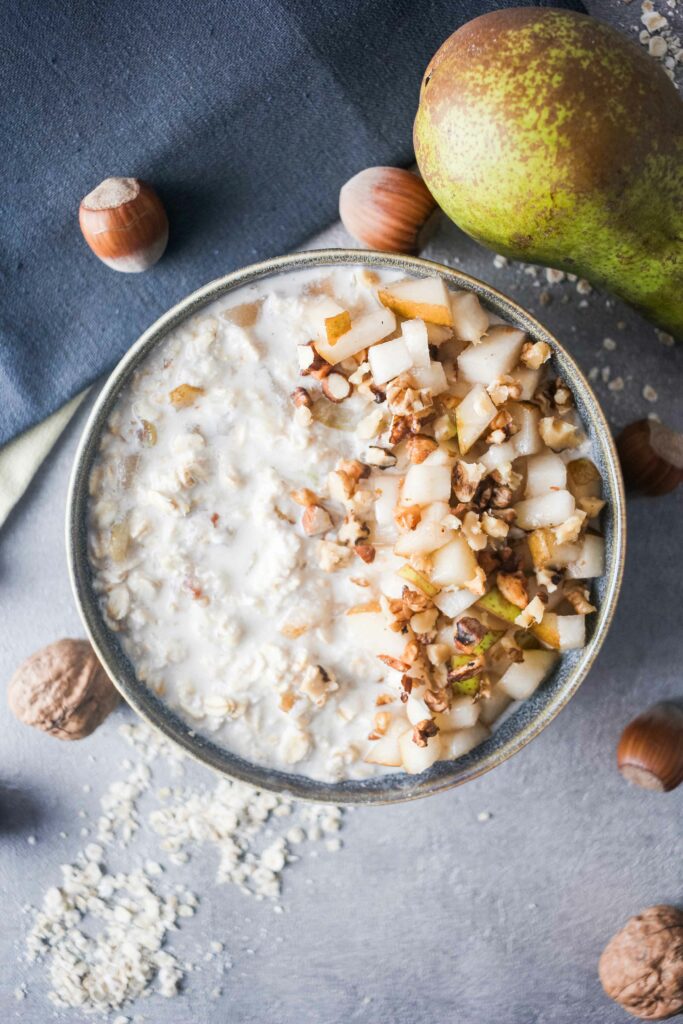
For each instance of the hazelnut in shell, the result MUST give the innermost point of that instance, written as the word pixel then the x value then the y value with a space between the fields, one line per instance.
pixel 650 751
pixel 124 223
pixel 651 457
pixel 641 967
pixel 387 208
pixel 62 690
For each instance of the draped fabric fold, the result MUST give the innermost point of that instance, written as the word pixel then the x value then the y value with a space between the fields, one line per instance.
pixel 247 116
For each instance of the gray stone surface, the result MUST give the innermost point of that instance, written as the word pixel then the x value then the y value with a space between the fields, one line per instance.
pixel 427 914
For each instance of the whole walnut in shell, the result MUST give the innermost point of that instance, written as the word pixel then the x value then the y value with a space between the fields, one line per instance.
pixel 641 968
pixel 63 690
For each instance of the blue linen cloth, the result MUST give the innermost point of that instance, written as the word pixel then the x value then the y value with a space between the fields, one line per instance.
pixel 246 115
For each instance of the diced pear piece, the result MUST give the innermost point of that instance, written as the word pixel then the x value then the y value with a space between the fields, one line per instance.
pixel 454 602
pixel 524 677
pixel 426 483
pixel 462 714
pixel 386 489
pixel 529 379
pixel 550 509
pixel 493 357
pixel 498 454
pixel 417 342
pixel 415 707
pixel 386 750
pixel 365 331
pixel 494 706
pixel 388 359
pixel 590 561
pixel 330 319
pixel 494 603
pixel 454 564
pixel 526 418
pixel 440 457
pixel 417 579
pixel 419 759
pixel 472 417
pixel 457 744
pixel 562 632
pixel 370 632
pixel 583 479
pixel 544 472
pixel 426 537
pixel 432 378
pixel 437 333
pixel 545 551
pixel 424 299
pixel 470 321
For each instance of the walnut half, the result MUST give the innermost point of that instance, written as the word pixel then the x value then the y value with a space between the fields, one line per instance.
pixel 63 690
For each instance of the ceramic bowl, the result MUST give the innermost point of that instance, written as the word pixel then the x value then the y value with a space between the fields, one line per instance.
pixel 515 731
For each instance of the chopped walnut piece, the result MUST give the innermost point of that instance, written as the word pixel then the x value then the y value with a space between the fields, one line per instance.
pixel 535 353
pixel 353 468
pixel 549 578
pixel 366 552
pixel 399 666
pixel 424 730
pixel 494 527
pixel 332 556
pixel 570 529
pixel 466 479
pixel 504 388
pixel 514 588
pixel 558 434
pixel 577 595
pixel 304 497
pixel 404 399
pixel 380 457
pixel 353 530
pixel 340 485
pixel 437 700
pixel 533 612
pixel 315 520
pixel 419 446
pixel 437 654
pixel 317 684
pixel 468 633
pixel 472 531
pixel 384 698
pixel 301 397
pixel 406 688
pixel 399 430
pixel 501 496
pixel 591 506
pixel 414 600
pixel 477 585
pixel 185 395
pixel 406 518
pixel 382 721
pixel 502 428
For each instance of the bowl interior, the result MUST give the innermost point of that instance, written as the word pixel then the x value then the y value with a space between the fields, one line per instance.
pixel 519 727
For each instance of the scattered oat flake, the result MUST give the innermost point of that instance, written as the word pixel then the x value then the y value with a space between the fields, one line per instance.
pixel 605 373
pixel 609 343
pixel 103 934
pixel 617 384
pixel 583 287
pixel 593 373
pixel 665 338
pixel 484 816
pixel 649 393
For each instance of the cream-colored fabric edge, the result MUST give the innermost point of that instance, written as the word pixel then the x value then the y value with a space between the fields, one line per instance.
pixel 20 458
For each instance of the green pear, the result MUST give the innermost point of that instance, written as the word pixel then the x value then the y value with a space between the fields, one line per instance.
pixel 549 137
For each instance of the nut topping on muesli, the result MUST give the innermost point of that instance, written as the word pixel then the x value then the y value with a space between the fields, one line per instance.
pixel 423 445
